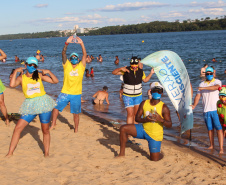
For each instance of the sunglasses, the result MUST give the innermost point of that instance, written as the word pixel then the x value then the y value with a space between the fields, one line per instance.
pixel 209 74
pixel 74 58
pixel 35 66
pixel 160 91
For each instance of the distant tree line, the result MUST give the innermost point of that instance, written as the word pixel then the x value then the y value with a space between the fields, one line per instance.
pixel 31 35
pixel 152 27
pixel 162 26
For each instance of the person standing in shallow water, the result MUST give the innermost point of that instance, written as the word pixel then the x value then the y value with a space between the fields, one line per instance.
pixel 2 89
pixel 132 88
pixel 72 84
pixel 37 102
pixel 151 128
pixel 208 89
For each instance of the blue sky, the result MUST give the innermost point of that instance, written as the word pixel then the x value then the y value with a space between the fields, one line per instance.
pixel 27 16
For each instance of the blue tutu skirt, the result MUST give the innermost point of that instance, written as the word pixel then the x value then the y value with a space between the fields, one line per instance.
pixel 37 105
pixel 2 87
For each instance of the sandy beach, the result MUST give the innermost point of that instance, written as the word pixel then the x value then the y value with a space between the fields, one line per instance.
pixel 87 157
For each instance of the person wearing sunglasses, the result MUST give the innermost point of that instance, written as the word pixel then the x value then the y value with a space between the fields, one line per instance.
pixel 133 77
pixel 37 102
pixel 3 109
pixel 208 90
pixel 151 128
pixel 72 84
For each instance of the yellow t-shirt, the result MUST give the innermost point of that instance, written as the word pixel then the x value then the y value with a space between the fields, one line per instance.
pixel 32 88
pixel 73 78
pixel 154 130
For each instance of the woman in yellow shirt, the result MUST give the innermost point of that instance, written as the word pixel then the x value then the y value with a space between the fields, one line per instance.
pixel 37 102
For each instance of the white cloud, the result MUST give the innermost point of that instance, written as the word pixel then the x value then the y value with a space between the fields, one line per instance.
pixel 116 20
pixel 208 11
pixel 41 5
pixel 88 19
pixel 218 4
pixel 131 6
pixel 173 15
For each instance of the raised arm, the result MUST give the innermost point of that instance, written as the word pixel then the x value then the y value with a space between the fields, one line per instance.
pixel 15 81
pixel 64 56
pixel 3 55
pixel 79 41
pixel 51 78
pixel 149 76
pixel 119 71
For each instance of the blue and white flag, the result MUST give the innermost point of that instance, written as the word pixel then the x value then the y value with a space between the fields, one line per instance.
pixel 173 75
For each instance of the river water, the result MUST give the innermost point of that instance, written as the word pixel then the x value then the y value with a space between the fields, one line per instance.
pixel 195 49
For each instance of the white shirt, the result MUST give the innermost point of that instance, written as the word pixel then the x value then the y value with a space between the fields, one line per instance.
pixel 209 98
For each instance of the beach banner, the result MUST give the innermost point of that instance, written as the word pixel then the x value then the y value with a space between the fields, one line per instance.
pixel 173 75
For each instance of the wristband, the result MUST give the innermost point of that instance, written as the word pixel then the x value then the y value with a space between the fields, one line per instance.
pixel 66 43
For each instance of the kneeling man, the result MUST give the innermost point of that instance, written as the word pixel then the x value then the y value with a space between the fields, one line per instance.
pixel 155 115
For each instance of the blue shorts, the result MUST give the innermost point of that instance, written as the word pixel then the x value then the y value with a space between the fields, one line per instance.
pixel 75 102
pixel 212 120
pixel 154 146
pixel 131 101
pixel 1 93
pixel 44 117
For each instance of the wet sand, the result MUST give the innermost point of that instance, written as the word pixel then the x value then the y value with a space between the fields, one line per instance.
pixel 87 157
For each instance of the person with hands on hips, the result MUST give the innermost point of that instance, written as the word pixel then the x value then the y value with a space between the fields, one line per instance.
pixel 37 102
pixel 151 128
pixel 72 83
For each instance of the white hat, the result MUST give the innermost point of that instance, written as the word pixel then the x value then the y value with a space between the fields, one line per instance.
pixel 156 85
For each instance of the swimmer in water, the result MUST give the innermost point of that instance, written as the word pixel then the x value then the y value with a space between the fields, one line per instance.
pixel 87 73
pixel 116 60
pixel 17 58
pixel 99 59
pixel 91 72
pixel 101 96
pixel 203 70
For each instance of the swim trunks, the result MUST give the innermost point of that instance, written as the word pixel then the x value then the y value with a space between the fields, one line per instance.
pixel 154 146
pixel 75 102
pixel 212 120
pixel 131 101
pixel 44 117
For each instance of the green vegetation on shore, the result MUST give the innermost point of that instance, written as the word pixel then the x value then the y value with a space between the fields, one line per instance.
pixel 152 27
pixel 163 26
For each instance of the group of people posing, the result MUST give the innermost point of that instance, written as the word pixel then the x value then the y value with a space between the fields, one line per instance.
pixel 145 119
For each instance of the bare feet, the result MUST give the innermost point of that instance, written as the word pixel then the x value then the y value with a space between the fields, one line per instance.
pixel 46 155
pixel 119 156
pixel 9 155
pixel 221 151
pixel 210 148
pixel 75 130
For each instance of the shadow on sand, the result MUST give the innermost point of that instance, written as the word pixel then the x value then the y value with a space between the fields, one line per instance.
pixel 112 137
